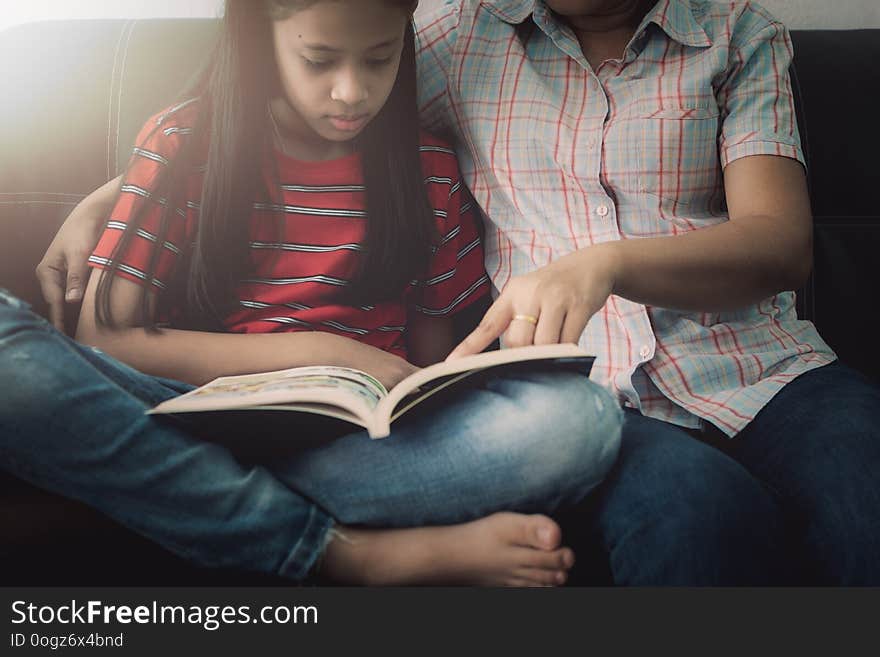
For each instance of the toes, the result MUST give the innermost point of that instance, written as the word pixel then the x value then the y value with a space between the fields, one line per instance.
pixel 561 559
pixel 547 534
pixel 567 558
pixel 535 531
pixel 523 583
pixel 541 577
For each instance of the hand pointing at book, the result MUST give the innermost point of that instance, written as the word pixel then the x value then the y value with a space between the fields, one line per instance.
pixel 547 306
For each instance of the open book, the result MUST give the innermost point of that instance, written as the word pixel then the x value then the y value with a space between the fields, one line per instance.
pixel 355 396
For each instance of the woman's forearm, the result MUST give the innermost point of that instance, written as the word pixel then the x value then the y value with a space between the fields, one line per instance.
pixel 765 247
pixel 104 198
pixel 97 206
pixel 722 267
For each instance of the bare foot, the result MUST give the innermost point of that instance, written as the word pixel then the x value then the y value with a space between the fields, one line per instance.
pixel 504 549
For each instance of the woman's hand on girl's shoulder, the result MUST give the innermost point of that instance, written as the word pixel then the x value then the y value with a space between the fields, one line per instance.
pixel 63 272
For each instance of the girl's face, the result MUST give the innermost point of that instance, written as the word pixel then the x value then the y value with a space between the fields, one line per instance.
pixel 337 61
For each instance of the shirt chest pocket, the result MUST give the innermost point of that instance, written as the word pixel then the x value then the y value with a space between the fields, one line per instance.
pixel 667 152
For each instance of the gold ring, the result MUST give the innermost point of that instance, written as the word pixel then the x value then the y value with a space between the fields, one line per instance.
pixel 527 318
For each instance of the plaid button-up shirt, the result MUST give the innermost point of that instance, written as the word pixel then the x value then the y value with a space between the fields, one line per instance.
pixel 560 156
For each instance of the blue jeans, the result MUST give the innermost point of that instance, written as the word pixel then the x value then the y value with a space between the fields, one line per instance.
pixel 793 499
pixel 72 421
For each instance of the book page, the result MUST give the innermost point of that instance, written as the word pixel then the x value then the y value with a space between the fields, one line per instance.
pixel 427 389
pixel 420 385
pixel 348 388
pixel 316 409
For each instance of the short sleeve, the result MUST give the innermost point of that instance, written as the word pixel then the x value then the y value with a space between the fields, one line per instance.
pixel 457 275
pixel 755 97
pixel 156 144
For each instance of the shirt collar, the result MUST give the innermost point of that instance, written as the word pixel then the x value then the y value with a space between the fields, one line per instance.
pixel 510 11
pixel 675 17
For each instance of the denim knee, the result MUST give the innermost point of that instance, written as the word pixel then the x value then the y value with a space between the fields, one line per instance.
pixel 567 435
pixel 592 439
pixel 24 360
pixel 16 315
pixel 9 299
pixel 678 512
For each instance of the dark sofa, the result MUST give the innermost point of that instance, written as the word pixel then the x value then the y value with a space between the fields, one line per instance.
pixel 74 95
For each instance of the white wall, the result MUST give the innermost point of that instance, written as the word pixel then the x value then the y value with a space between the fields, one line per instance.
pixel 835 14
pixel 13 12
pixel 808 14
pixel 794 13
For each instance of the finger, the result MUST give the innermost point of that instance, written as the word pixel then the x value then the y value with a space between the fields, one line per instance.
pixel 51 287
pixel 549 325
pixel 575 322
pixel 493 324
pixel 521 331
pixel 77 275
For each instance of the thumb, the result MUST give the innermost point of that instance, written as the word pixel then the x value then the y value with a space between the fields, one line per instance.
pixel 50 284
pixel 76 277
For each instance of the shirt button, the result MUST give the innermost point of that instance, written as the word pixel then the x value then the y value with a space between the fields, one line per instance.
pixel 645 351
pixel 602 210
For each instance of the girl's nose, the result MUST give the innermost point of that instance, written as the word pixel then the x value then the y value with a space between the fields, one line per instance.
pixel 349 89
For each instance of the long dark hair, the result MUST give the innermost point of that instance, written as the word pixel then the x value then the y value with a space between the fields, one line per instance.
pixel 231 116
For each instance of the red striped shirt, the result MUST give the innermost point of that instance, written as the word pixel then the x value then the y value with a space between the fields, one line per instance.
pixel 297 280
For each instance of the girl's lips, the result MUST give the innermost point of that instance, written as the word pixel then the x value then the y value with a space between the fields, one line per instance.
pixel 345 124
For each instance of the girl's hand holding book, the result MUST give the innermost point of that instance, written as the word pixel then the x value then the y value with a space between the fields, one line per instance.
pixel 387 368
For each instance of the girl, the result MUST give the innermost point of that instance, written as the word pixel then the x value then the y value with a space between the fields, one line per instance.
pixel 291 198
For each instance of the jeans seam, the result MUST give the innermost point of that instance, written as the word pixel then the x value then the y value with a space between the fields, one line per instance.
pixel 52 479
pixel 309 546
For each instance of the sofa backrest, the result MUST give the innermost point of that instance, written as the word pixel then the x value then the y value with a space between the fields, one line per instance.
pixel 78 91
pixel 837 74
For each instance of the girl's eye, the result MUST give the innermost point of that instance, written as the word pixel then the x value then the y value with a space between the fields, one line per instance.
pixel 317 65
pixel 379 63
